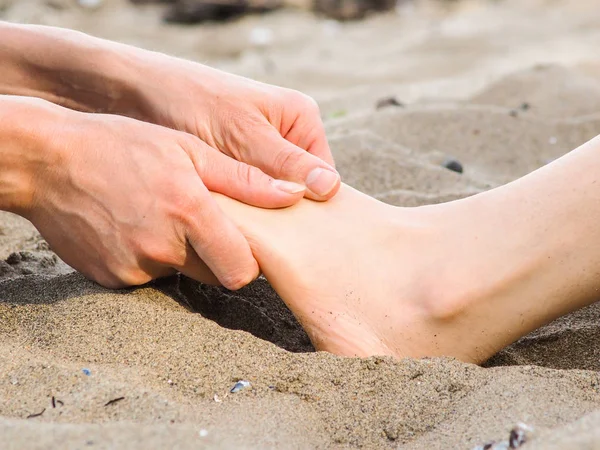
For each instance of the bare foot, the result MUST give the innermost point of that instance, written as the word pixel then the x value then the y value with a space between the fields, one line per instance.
pixel 461 279
pixel 353 271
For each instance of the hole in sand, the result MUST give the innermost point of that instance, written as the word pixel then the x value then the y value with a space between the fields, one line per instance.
pixel 256 309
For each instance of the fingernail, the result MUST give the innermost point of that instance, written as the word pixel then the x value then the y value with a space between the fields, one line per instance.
pixel 288 186
pixel 321 181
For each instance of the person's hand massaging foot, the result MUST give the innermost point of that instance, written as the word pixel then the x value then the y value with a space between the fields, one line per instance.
pixel 124 201
pixel 120 200
pixel 460 279
pixel 277 130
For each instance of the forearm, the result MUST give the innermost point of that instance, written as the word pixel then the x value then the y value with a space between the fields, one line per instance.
pixel 68 68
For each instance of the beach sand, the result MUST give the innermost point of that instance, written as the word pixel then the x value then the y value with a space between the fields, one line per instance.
pixel 503 87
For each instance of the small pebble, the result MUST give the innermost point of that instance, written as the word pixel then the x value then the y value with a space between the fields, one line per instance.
pixel 552 140
pixel 217 399
pixel 524 106
pixel 513 113
pixel 203 432
pixel 519 435
pixel 242 384
pixel 169 381
pixel 453 164
pixel 388 101
pixel 87 372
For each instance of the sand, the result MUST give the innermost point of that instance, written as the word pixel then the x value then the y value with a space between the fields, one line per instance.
pixel 171 351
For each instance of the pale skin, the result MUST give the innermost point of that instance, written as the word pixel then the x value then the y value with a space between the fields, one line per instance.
pixel 461 279
pixel 123 196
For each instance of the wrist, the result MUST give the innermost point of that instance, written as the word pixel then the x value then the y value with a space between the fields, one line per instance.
pixel 162 85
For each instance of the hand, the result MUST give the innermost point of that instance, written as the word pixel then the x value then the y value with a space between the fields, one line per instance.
pixel 124 201
pixel 275 129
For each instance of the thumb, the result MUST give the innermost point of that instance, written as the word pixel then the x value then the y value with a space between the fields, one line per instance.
pixel 241 181
pixel 283 160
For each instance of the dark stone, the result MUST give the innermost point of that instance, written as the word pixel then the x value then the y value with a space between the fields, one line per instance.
pixel 13 259
pixel 197 11
pixel 388 101
pixel 519 435
pixel 19 257
pixel 453 165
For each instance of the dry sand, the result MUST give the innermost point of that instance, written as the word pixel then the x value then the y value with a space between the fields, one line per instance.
pixel 173 350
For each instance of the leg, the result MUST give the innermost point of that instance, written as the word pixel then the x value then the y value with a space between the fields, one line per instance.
pixel 461 279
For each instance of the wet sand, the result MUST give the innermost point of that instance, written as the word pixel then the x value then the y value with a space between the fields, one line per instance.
pixel 502 87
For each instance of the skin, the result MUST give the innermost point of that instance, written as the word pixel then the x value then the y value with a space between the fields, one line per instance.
pixel 260 144
pixel 461 279
pixel 101 190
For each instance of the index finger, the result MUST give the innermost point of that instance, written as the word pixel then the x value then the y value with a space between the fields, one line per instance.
pixel 220 244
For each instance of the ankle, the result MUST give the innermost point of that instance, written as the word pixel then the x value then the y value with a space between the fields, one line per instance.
pixel 443 268
pixel 469 281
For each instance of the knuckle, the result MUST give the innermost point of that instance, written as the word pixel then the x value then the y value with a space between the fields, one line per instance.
pixel 290 160
pixel 195 148
pixel 187 141
pixel 162 255
pixel 248 174
pixel 151 243
pixel 244 173
pixel 186 204
pixel 204 230
pixel 304 101
pixel 312 105
pixel 201 220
